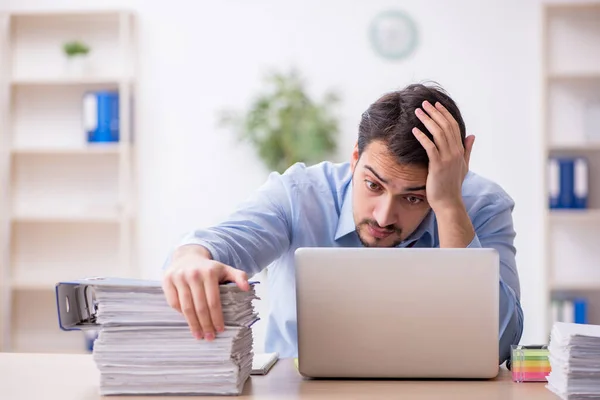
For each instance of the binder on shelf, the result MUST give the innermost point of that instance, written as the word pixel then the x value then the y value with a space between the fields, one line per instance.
pixel 101 116
pixel 581 182
pixel 569 310
pixel 554 183
pixel 568 185
pixel 580 311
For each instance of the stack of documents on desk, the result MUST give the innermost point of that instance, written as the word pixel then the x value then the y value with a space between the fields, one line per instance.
pixel 146 347
pixel 575 360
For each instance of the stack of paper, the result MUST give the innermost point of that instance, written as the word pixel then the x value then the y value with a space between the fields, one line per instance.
pixel 575 361
pixel 146 347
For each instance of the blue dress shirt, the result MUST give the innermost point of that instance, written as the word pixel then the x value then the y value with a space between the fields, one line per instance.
pixel 312 207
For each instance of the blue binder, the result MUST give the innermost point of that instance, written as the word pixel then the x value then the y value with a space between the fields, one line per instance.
pixel 565 199
pixel 568 183
pixel 580 183
pixel 101 116
pixel 554 183
pixel 580 307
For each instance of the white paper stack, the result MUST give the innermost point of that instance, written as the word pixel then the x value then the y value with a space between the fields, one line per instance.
pixel 146 347
pixel 575 361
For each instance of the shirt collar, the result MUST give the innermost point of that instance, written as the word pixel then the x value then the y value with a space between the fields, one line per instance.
pixel 424 233
pixel 346 225
pixel 346 221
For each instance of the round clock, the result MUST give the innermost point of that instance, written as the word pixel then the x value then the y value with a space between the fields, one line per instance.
pixel 393 35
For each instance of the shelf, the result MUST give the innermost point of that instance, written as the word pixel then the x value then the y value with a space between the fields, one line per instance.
pixel 66 217
pixel 573 6
pixel 574 215
pixel 48 253
pixel 575 76
pixel 582 286
pixel 100 149
pixel 33 284
pixel 65 187
pixel 568 107
pixel 575 147
pixel 571 35
pixel 69 81
pixel 70 204
pixel 35 325
pixel 68 13
pixel 571 92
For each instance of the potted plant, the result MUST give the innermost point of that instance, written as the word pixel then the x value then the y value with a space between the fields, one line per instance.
pixel 77 56
pixel 285 125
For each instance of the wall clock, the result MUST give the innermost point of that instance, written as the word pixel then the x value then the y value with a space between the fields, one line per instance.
pixel 393 34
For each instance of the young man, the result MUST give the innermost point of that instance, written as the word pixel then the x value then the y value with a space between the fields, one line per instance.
pixel 408 185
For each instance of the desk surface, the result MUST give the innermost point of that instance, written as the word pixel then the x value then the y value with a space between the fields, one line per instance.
pixel 75 377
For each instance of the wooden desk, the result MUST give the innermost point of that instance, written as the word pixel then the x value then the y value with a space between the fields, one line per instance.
pixel 75 377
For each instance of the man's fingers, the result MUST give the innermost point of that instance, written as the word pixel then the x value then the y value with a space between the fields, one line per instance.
pixel 201 309
pixel 469 141
pixel 445 124
pixel 171 293
pixel 428 145
pixel 239 277
pixel 213 298
pixel 453 124
pixel 441 141
pixel 187 308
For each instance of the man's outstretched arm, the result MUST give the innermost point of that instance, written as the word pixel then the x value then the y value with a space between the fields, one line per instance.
pixel 254 235
pixel 246 242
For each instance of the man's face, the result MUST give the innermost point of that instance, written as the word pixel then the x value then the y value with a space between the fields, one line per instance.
pixel 389 199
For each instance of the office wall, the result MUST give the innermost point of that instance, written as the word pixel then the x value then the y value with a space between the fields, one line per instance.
pixel 198 57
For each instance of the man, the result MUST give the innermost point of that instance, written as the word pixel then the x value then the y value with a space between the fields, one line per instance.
pixel 407 185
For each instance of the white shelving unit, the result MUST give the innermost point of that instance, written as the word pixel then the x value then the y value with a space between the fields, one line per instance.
pixel 67 208
pixel 571 79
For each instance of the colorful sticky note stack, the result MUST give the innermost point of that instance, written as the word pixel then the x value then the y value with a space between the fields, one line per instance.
pixel 530 363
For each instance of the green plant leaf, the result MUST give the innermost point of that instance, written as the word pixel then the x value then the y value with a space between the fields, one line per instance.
pixel 75 47
pixel 285 125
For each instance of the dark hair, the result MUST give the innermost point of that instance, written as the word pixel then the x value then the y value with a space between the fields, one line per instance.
pixel 392 117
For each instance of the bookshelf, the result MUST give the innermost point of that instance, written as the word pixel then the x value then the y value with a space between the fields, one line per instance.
pixel 570 93
pixel 67 207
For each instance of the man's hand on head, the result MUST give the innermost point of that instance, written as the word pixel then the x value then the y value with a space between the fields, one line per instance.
pixel 191 286
pixel 448 166
pixel 448 159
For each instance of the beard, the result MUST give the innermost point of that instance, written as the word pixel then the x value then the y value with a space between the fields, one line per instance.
pixel 395 234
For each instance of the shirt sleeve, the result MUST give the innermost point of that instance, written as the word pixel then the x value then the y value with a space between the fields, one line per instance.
pixel 494 228
pixel 255 234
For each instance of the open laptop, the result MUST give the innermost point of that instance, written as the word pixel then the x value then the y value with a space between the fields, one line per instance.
pixel 397 313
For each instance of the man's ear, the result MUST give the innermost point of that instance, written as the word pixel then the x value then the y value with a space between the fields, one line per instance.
pixel 355 157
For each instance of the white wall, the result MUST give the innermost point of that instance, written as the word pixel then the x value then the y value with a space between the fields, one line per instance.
pixel 197 57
